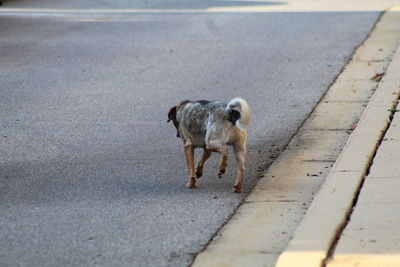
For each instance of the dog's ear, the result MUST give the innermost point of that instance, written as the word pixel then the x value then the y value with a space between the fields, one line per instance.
pixel 172 117
pixel 172 114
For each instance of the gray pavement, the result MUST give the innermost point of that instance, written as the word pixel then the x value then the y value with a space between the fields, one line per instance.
pixel 90 173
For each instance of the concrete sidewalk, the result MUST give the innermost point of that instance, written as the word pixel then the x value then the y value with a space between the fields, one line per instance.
pixel 371 236
pixel 354 219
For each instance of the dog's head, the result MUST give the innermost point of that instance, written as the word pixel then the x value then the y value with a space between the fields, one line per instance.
pixel 172 117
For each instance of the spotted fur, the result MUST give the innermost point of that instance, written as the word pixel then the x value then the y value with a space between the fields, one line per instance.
pixel 212 126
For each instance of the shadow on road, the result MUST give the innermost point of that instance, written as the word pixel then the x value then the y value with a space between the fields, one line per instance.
pixel 137 5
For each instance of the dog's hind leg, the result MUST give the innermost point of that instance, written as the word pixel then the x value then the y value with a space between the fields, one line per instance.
pixel 223 150
pixel 240 154
pixel 224 163
pixel 200 165
pixel 189 154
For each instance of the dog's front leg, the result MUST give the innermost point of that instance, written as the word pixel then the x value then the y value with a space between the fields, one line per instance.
pixel 240 154
pixel 189 154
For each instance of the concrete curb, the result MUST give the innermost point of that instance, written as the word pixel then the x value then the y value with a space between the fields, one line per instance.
pixel 372 238
pixel 263 226
pixel 315 239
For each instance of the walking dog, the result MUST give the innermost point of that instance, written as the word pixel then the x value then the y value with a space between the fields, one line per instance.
pixel 212 126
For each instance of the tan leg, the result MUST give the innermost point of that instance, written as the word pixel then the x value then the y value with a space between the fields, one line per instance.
pixel 200 165
pixel 240 154
pixel 189 154
pixel 223 164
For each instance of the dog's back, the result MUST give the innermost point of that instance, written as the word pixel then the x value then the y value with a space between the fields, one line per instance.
pixel 195 118
pixel 204 122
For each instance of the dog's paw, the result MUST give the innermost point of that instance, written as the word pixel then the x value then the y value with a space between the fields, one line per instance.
pixel 221 173
pixel 237 189
pixel 199 173
pixel 191 183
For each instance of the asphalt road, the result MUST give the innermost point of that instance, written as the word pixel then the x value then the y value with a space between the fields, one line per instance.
pixel 91 173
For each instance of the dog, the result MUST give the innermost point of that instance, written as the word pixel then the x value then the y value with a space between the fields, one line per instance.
pixel 212 126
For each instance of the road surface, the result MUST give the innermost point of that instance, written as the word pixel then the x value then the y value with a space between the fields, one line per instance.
pixel 90 172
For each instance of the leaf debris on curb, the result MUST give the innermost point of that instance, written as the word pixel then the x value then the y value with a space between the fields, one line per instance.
pixel 378 77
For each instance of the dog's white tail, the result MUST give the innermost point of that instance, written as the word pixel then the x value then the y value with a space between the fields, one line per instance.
pixel 240 105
